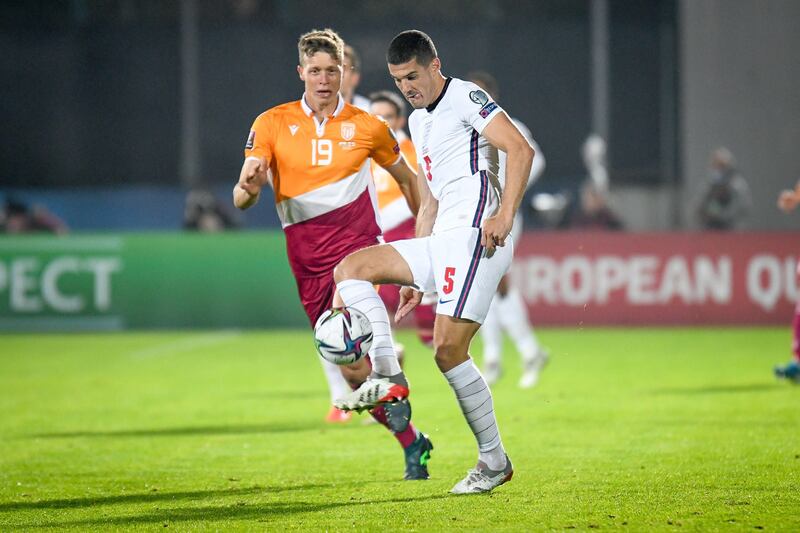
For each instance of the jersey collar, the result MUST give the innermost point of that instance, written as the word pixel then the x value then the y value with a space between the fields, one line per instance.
pixel 308 111
pixel 431 107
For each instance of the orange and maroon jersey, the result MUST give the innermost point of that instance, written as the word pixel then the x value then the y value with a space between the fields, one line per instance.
pixel 392 204
pixel 320 174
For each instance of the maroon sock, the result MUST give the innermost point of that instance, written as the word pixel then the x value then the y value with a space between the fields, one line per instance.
pixel 405 437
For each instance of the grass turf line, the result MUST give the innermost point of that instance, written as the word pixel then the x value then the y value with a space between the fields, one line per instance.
pixel 630 429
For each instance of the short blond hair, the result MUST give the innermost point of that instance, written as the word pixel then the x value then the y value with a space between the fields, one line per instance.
pixel 326 40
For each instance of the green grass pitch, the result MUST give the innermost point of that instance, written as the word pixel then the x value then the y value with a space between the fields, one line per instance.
pixel 632 429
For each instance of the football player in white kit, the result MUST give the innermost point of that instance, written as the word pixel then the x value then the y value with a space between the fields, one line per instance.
pixel 461 249
pixel 508 311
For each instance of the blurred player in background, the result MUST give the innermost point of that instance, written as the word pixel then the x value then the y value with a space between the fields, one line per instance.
pixel 508 311
pixel 351 77
pixel 788 200
pixel 462 247
pixel 315 153
pixel 397 221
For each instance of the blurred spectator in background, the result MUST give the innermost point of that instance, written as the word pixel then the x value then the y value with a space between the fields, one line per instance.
pixel 593 211
pixel 351 77
pixel 19 217
pixel 727 199
pixel 594 157
pixel 204 212
pixel 787 201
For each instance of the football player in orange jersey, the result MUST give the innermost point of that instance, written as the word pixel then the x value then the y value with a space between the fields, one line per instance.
pixel 397 221
pixel 315 153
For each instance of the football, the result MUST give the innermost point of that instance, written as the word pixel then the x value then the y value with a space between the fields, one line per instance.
pixel 343 335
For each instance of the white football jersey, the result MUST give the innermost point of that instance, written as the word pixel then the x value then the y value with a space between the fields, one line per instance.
pixel 460 165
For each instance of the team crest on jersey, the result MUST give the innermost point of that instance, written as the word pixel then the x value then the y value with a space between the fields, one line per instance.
pixel 479 97
pixel 251 140
pixel 348 130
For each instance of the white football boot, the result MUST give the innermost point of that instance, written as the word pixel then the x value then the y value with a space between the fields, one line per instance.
pixel 482 479
pixel 374 391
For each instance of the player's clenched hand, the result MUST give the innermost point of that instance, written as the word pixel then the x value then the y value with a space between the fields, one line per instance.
pixel 251 179
pixel 409 299
pixel 253 176
pixel 495 231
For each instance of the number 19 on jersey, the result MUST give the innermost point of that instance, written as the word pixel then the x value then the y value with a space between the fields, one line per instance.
pixel 321 152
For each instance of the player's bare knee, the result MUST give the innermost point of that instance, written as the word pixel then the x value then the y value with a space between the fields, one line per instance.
pixel 347 269
pixel 339 270
pixel 355 266
pixel 448 354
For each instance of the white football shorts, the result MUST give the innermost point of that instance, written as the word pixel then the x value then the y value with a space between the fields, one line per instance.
pixel 454 264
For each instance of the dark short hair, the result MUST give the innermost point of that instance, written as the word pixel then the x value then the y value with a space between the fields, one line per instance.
pixel 390 98
pixel 486 80
pixel 411 44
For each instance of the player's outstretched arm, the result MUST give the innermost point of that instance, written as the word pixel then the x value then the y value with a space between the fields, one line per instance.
pixel 407 181
pixel 504 135
pixel 251 179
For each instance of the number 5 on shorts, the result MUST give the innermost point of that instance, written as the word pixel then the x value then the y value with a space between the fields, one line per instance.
pixel 449 272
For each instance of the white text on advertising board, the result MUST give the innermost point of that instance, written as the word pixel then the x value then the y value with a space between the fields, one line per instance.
pixel 31 284
pixel 645 280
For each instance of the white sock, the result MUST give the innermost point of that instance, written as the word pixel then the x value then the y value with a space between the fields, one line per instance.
pixel 514 316
pixel 362 295
pixel 337 385
pixel 475 399
pixel 492 335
